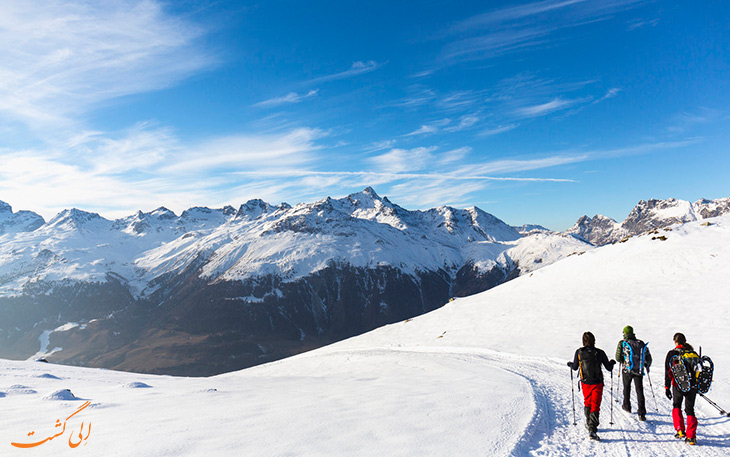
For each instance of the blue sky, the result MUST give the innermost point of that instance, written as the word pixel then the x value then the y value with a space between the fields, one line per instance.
pixel 537 112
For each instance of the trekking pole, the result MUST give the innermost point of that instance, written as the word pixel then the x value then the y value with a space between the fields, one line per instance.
pixel 572 391
pixel 621 370
pixel 611 421
pixel 656 405
pixel 715 405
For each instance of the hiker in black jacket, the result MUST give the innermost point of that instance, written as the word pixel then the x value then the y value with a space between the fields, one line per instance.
pixel 671 389
pixel 588 360
pixel 634 355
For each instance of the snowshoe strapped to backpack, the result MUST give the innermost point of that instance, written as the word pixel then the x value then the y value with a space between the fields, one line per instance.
pixel 704 377
pixel 634 353
pixel 692 371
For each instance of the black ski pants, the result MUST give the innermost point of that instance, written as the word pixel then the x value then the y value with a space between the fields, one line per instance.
pixel 639 385
pixel 688 397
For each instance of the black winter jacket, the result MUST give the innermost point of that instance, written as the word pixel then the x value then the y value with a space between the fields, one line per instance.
pixel 592 359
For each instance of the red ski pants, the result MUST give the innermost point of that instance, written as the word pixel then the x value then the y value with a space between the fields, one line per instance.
pixel 689 407
pixel 592 394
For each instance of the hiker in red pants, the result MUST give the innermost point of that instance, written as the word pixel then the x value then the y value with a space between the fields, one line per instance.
pixel 672 391
pixel 588 360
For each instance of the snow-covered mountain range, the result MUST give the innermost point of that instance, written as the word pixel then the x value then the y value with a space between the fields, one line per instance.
pixel 483 375
pixel 214 290
pixel 217 289
pixel 647 215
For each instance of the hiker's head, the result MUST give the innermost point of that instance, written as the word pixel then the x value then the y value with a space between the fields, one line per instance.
pixel 680 339
pixel 628 330
pixel 589 339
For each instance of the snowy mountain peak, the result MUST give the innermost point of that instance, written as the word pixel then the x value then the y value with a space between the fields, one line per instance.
pixel 705 208
pixel 74 218
pixel 163 213
pixel 20 221
pixel 529 229
pixel 647 215
pixel 253 209
pixel 205 215
pixel 651 214
pixel 368 195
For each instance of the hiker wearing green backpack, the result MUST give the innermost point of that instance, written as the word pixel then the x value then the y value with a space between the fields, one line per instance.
pixel 633 354
pixel 674 393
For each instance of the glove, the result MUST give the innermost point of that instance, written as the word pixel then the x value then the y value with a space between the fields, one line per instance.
pixel 570 364
pixel 668 393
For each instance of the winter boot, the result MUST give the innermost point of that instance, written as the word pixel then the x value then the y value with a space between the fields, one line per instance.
pixel 679 435
pixel 593 424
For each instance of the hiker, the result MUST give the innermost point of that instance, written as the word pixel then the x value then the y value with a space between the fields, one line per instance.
pixel 672 391
pixel 588 360
pixel 633 354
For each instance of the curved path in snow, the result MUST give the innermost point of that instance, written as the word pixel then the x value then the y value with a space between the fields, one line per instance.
pixel 551 431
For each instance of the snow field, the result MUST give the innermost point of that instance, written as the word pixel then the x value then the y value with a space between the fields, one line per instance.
pixel 484 375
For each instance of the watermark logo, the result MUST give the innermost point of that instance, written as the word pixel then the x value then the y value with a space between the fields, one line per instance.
pixel 74 440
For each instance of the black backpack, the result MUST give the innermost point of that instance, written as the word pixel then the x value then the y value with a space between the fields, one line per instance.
pixel 634 353
pixel 692 371
pixel 590 365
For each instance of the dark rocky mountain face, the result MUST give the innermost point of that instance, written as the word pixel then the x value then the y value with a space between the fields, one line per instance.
pixel 194 328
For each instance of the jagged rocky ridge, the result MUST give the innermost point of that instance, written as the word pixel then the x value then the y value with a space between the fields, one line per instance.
pixel 647 215
pixel 215 290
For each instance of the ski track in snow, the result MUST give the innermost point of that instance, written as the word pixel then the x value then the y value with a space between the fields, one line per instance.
pixel 551 431
pixel 406 401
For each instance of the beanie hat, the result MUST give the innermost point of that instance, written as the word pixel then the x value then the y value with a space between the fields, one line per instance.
pixel 628 330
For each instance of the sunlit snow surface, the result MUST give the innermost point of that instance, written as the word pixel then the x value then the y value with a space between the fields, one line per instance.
pixel 484 375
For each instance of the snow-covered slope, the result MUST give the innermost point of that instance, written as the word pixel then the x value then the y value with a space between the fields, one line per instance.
pixel 482 376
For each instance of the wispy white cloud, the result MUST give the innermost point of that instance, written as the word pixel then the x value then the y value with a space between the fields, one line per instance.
pixel 387 176
pixel 611 93
pixel 418 95
pixel 258 152
pixel 512 13
pixel 291 97
pixel 543 109
pixel 147 165
pixel 357 68
pixel 465 122
pixel 498 130
pixel 431 127
pixel 527 26
pixel 641 23
pixel 380 145
pixel 685 120
pixel 454 155
pixel 68 56
pixel 404 160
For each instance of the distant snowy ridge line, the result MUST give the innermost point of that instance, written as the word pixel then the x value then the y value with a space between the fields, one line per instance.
pixel 647 215
pixel 363 230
